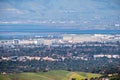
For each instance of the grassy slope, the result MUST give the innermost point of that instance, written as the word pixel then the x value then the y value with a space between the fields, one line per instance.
pixel 51 75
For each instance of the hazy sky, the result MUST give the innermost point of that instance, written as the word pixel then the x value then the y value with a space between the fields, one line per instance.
pixel 94 14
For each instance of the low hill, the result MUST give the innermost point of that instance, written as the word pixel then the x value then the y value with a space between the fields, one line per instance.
pixel 50 75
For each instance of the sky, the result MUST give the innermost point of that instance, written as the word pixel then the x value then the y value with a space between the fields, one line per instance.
pixel 65 14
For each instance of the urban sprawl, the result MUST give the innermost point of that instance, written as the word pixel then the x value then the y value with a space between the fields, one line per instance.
pixel 87 51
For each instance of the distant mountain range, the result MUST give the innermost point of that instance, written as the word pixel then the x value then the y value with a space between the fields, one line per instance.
pixel 65 14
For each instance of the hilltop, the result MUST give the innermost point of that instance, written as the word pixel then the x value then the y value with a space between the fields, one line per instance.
pixel 50 75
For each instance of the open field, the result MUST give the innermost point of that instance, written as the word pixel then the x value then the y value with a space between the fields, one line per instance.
pixel 50 75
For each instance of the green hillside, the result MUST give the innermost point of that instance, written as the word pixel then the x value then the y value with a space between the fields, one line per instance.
pixel 50 75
